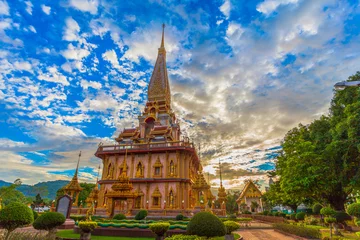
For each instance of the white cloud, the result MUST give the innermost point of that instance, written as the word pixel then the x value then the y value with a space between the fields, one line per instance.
pixel 85 5
pixel 31 28
pixel 53 76
pixel 72 30
pixel 7 143
pixel 46 9
pixel 74 53
pixel 226 8
pixel 269 6
pixel 23 66
pixel 86 84
pixel 4 8
pixel 111 57
pixel 29 7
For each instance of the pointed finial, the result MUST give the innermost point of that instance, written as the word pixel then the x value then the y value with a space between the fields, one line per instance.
pixel 77 166
pixel 220 174
pixel 162 39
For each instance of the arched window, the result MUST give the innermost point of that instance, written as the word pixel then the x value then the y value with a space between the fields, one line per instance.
pixel 171 198
pixel 139 170
pixel 172 168
pixel 149 125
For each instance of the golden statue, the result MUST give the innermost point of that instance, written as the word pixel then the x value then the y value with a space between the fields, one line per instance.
pixel 90 212
pixel 111 171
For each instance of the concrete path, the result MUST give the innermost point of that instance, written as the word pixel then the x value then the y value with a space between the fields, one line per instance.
pixel 262 234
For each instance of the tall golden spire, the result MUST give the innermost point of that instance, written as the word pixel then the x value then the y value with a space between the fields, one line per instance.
pixel 77 167
pixel 159 88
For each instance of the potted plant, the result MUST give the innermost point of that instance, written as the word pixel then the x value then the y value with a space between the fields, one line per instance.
pixel 230 227
pixel 86 227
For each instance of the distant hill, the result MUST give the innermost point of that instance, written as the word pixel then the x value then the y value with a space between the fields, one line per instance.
pixel 32 190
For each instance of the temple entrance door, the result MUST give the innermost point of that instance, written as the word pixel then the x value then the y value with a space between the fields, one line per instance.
pixel 123 205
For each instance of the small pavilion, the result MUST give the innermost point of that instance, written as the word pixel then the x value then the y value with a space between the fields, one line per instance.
pixel 250 194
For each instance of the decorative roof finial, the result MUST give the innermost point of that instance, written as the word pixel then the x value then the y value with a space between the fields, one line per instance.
pixel 77 166
pixel 220 174
pixel 162 39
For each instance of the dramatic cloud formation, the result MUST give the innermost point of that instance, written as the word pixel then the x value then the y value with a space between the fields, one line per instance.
pixel 75 73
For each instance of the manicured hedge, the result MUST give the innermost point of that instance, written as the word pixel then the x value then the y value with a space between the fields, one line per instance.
pixel 119 216
pixel 141 215
pixel 87 226
pixel 231 226
pixel 77 218
pixel 48 221
pixel 300 216
pixel 179 217
pixel 159 228
pixel 305 232
pixel 183 237
pixel 15 215
pixel 206 224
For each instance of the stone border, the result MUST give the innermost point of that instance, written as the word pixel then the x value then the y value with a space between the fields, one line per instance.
pixel 292 235
pixel 127 232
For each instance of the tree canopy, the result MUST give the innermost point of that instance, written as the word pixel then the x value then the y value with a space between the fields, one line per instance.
pixel 320 161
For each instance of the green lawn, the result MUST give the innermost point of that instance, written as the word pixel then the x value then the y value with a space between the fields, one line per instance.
pixel 345 235
pixel 71 234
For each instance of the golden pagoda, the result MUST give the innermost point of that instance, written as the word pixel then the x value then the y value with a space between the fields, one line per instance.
pixel 152 158
pixel 73 188
pixel 221 191
pixel 94 194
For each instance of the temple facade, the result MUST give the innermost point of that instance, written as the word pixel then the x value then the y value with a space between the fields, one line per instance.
pixel 152 166
pixel 250 198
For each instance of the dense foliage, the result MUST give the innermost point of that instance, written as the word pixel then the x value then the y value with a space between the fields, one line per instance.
pixel 327 211
pixel 141 215
pixel 159 228
pixel 87 226
pixel 48 221
pixel 319 161
pixel 231 226
pixel 316 208
pixel 206 224
pixel 305 232
pixel 300 216
pixel 15 215
pixel 119 216
pixel 179 217
pixel 341 217
pixel 354 210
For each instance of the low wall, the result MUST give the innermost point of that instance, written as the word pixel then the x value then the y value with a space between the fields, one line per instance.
pixel 263 218
pixel 128 232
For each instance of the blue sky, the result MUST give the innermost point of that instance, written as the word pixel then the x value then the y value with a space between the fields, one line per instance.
pixel 74 73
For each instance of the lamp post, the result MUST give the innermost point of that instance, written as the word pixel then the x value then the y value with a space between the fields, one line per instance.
pixel 164 207
pixel 344 84
pixel 147 204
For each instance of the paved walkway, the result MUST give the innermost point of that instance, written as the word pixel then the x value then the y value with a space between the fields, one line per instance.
pixel 262 234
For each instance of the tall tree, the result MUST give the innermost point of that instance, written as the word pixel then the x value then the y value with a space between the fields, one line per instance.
pixel 320 161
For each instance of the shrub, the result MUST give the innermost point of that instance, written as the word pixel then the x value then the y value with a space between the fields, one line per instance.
pixel 305 232
pixel 265 212
pixel 327 211
pixel 354 210
pixel 141 215
pixel 311 220
pixel 15 215
pixel 330 220
pixel 87 226
pixel 232 216
pixel 231 226
pixel 293 216
pixel 316 208
pixel 49 221
pixel 276 214
pixel 206 224
pixel 341 217
pixel 246 212
pixel 281 214
pixel 179 217
pixel 35 214
pixel 119 216
pixel 300 216
pixel 159 228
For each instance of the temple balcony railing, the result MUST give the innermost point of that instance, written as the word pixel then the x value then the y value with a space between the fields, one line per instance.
pixel 135 147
